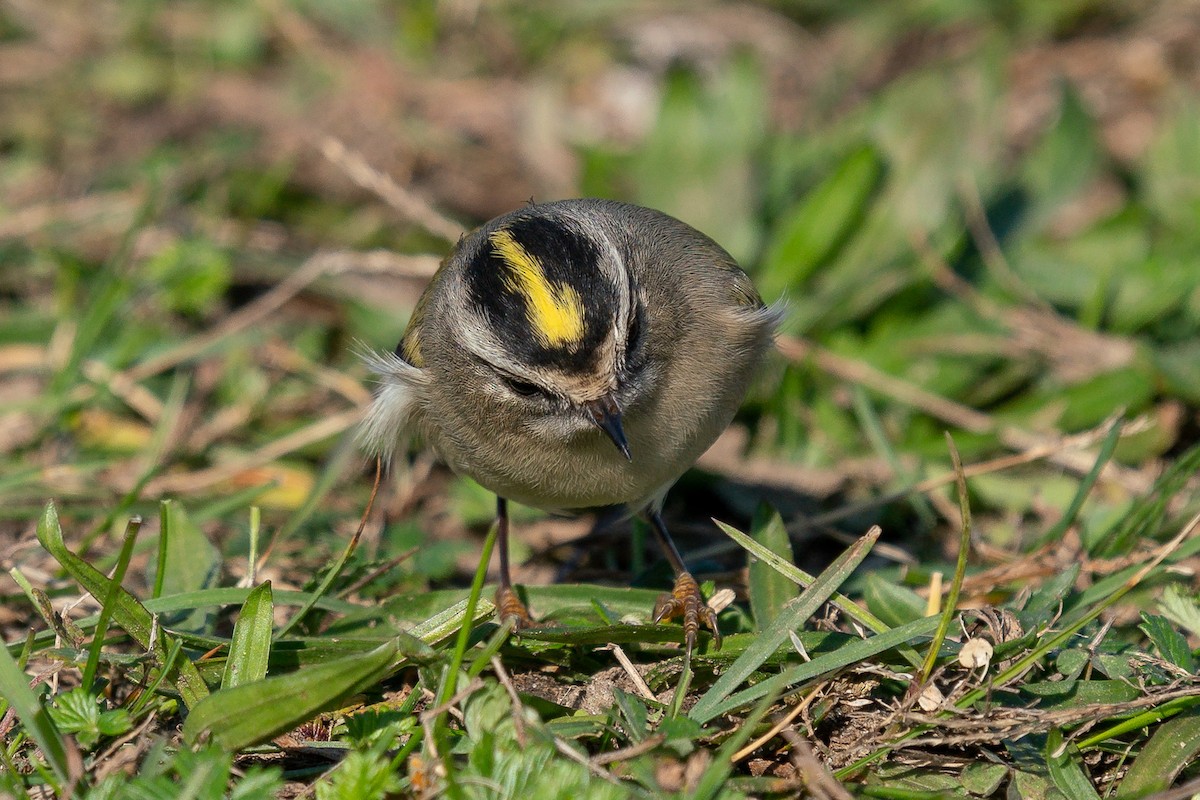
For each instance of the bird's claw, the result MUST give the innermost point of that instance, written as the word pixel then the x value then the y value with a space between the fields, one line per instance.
pixel 686 601
pixel 509 606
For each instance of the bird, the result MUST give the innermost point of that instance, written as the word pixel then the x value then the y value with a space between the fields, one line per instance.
pixel 573 355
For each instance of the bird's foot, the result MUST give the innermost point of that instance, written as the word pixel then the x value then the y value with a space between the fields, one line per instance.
pixel 509 606
pixel 687 602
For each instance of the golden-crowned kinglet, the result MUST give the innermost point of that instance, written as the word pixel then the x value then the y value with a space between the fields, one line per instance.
pixel 572 355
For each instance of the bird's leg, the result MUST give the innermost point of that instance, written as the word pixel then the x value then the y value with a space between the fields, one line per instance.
pixel 685 599
pixel 508 605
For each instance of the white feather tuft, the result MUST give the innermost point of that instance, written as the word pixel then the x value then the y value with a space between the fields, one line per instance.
pixel 387 422
pixel 773 315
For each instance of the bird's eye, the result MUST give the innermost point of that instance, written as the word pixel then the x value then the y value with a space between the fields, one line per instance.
pixel 634 334
pixel 523 388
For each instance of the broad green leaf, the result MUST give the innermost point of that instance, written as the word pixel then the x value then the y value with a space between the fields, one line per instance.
pixel 1075 693
pixel 1152 288
pixel 1091 402
pixel 915 782
pixel 1067 157
pixel 78 712
pixel 1065 769
pixel 769 589
pixel 578 727
pixel 1173 746
pixel 1118 666
pixel 127 612
pixel 983 779
pixel 242 717
pixel 809 232
pixel 893 604
pixel 447 622
pixel 1047 599
pixel 190 274
pixel 1086 404
pixel 253 712
pixel 1171 173
pixel 190 562
pixel 250 647
pixel 681 734
pixel 634 713
pixel 1181 608
pixel 488 713
pixel 1033 786
pixel 1178 365
pixel 543 601
pixel 1171 644
pixel 1071 661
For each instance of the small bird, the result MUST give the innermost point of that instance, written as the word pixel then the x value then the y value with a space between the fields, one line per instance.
pixel 574 355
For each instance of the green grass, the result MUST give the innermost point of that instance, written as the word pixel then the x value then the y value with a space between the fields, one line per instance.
pixel 982 221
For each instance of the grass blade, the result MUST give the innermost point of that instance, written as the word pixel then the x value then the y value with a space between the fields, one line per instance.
pixel 873 428
pixel 1054 641
pixel 852 653
pixel 131 615
pixel 1139 721
pixel 960 568
pixel 110 600
pixel 160 557
pixel 789 619
pixel 323 589
pixel 801 578
pixel 1107 448
pixel 1147 514
pixel 468 620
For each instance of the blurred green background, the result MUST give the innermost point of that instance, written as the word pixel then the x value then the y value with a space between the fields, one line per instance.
pixel 982 216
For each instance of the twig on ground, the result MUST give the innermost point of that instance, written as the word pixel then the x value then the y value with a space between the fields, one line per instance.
pixel 639 682
pixel 518 713
pixel 181 483
pixel 951 412
pixel 410 206
pixel 778 727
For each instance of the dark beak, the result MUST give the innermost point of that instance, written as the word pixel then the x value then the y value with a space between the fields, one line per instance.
pixel 605 414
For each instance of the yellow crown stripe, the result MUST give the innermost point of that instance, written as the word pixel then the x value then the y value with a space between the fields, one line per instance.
pixel 555 312
pixel 410 342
